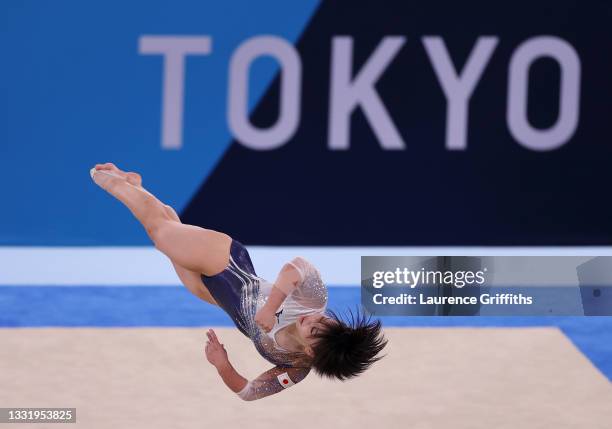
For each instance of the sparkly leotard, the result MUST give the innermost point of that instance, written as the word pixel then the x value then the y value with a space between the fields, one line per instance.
pixel 241 293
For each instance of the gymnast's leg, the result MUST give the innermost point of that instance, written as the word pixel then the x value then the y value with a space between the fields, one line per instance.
pixel 190 279
pixel 196 249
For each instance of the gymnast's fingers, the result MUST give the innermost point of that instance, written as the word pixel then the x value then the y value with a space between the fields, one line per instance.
pixel 214 336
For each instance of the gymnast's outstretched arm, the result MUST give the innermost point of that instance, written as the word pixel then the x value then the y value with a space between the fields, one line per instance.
pixel 273 381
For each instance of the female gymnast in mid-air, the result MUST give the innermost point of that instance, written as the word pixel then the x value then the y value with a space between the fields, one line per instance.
pixel 286 321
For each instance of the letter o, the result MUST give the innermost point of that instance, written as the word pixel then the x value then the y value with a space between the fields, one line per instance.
pixel 569 95
pixel 290 91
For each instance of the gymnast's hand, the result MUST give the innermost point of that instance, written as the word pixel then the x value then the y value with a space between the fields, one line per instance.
pixel 215 352
pixel 265 319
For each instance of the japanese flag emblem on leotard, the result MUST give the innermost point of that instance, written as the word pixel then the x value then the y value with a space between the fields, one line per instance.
pixel 284 380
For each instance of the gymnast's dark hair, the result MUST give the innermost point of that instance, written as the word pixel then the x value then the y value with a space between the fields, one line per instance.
pixel 347 346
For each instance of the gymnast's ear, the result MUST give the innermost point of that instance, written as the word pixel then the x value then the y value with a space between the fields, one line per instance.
pixel 308 351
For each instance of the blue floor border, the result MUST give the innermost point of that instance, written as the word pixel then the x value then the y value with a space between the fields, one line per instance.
pixel 155 306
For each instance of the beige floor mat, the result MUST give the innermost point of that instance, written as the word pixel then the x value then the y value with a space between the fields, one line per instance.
pixel 472 378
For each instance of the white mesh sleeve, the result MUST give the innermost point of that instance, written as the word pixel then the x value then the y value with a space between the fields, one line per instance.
pixel 243 394
pixel 301 265
pixel 292 275
pixel 310 292
pixel 301 280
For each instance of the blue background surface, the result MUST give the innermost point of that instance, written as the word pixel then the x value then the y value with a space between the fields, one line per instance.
pixel 75 91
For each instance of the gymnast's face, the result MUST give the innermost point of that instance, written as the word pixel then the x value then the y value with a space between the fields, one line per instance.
pixel 308 327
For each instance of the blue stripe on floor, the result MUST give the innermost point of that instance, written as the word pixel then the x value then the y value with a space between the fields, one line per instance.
pixel 57 306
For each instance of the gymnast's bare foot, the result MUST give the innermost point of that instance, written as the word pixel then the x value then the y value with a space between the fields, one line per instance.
pixel 110 168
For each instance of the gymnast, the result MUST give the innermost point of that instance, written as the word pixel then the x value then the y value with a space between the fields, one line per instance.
pixel 287 321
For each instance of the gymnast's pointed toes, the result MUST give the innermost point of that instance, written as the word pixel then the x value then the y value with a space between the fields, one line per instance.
pixel 133 178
